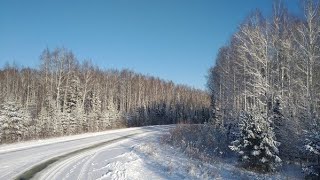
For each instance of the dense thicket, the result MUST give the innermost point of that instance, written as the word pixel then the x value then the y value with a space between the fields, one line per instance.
pixel 67 97
pixel 272 66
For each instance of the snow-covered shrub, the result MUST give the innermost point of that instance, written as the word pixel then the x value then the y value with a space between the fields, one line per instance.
pixel 256 144
pixel 200 141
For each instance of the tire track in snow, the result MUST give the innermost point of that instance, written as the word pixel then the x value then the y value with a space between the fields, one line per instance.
pixel 82 163
pixel 85 166
pixel 84 172
pixel 56 172
pixel 29 174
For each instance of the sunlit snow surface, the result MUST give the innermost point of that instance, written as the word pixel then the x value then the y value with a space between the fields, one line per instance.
pixel 144 157
pixel 19 157
pixel 137 157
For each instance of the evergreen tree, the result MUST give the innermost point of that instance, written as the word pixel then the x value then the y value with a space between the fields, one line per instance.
pixel 277 121
pixel 256 144
pixel 43 124
pixel 73 106
pixel 48 124
pixel 14 122
pixel 112 115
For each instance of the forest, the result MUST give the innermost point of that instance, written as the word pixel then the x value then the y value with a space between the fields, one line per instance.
pixel 65 96
pixel 265 88
pixel 261 105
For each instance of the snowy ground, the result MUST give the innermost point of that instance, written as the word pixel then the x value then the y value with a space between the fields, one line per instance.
pixel 141 156
pixel 144 157
pixel 20 157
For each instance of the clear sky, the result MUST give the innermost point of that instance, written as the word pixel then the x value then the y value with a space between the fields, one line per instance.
pixel 171 39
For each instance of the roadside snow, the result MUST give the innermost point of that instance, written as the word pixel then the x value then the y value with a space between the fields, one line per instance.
pixel 143 156
pixel 152 160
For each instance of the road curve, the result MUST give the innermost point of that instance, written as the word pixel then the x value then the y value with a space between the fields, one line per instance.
pixel 17 159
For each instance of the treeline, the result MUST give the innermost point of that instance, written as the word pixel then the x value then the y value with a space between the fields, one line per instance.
pixel 66 97
pixel 268 76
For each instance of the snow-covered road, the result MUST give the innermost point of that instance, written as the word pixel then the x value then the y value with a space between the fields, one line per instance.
pixel 98 163
pixel 70 157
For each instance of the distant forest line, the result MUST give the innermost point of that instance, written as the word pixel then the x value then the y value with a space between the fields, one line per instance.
pixel 65 96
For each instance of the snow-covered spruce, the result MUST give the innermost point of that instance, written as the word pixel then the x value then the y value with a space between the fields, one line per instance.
pixel 13 122
pixel 256 144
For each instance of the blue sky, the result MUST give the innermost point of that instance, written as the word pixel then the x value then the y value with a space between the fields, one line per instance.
pixel 171 39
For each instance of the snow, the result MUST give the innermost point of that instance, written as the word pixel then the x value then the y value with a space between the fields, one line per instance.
pixel 19 157
pixel 141 156
pixel 278 160
pixel 157 161
pixel 257 145
pixel 255 153
pixel 4 148
pixel 263 160
pixel 144 157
